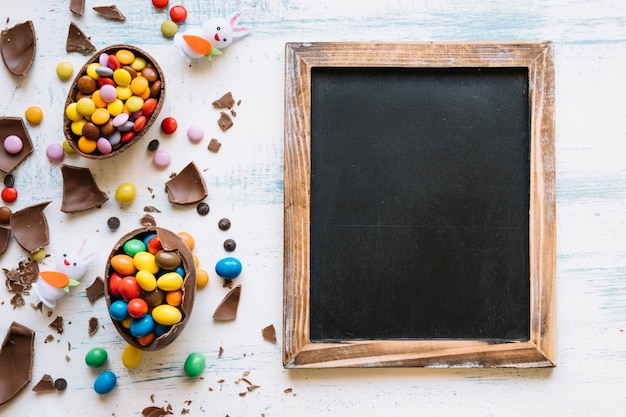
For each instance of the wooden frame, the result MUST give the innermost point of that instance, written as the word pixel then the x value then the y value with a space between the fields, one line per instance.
pixel 298 349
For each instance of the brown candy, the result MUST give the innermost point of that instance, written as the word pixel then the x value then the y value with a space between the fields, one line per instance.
pixel 150 74
pixel 167 259
pixel 86 84
pixel 91 131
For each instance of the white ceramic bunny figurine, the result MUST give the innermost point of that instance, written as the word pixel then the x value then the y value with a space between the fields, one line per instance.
pixel 205 42
pixel 70 269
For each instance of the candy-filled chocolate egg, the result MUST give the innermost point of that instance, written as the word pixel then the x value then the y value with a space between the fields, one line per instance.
pixel 114 99
pixel 137 287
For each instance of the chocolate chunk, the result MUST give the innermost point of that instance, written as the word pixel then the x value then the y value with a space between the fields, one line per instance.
pixel 151 209
pixel 20 280
pixel 224 102
pixel 109 12
pixel 77 41
pixel 80 191
pixel 30 227
pixel 57 324
pixel 269 333
pixel 18 46
pixel 153 411
pixel 93 326
pixel 16 361
pixel 14 126
pixel 225 122
pixel 95 290
pixel 227 309
pixel 113 223
pixel 45 384
pixel 230 245
pixel 77 7
pixel 60 384
pixel 214 145
pixel 187 187
pixel 203 208
pixel 5 237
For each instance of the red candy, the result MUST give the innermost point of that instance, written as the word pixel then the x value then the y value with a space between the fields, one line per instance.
pixel 128 136
pixel 129 288
pixel 105 80
pixel 178 14
pixel 113 62
pixel 154 245
pixel 140 122
pixel 137 308
pixel 160 4
pixel 114 284
pixel 149 106
pixel 169 125
pixel 9 194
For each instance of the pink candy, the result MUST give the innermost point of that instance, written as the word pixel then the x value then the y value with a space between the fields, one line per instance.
pixel 55 152
pixel 161 159
pixel 195 133
pixel 13 144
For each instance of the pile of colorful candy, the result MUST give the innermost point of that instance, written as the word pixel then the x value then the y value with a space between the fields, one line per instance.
pixel 150 287
pixel 114 99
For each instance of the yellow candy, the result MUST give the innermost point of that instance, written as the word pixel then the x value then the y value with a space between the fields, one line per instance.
pixel 134 103
pixel 100 116
pixel 145 95
pixel 71 112
pixel 86 145
pixel 146 280
pixel 123 92
pixel 34 114
pixel 39 255
pixel 77 127
pixel 138 64
pixel 144 261
pixel 126 322
pixel 91 70
pixel 64 70
pixel 97 99
pixel 125 56
pixel 166 315
pixel 115 107
pixel 67 148
pixel 196 261
pixel 188 239
pixel 122 77
pixel 85 106
pixel 170 281
pixel 138 85
pixel 202 278
pixel 131 356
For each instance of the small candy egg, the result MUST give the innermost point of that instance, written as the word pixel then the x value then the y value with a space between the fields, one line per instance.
pixel 154 244
pixel 145 261
pixel 133 246
pixel 123 264
pixel 123 92
pixel 126 322
pixel 170 281
pixel 134 104
pixel 104 146
pixel 188 239
pixel 13 144
pixel 114 284
pixel 174 298
pixel 194 364
pixel 118 310
pixel 154 298
pixel 161 329
pixel 128 126
pixel 131 356
pixel 113 62
pixel 140 123
pixel 228 268
pixel 120 120
pixel 5 215
pixel 148 238
pixel 105 382
pixel 103 59
pixel 38 256
pixel 161 159
pixel 126 193
pixel 169 28
pixel 146 280
pixel 65 70
pixel 86 84
pixel 142 326
pixel 139 85
pixel 129 288
pixel 115 138
pixel 167 259
pixel 128 136
pixel 96 357
pixel 202 278
pixel 97 99
pixel 137 308
pixel 195 133
pixel 166 314
pixel 34 115
pixel 100 116
pixel 145 340
pixel 150 73
pixel 77 127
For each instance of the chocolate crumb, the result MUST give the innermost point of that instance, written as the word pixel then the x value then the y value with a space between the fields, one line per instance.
pixel 95 290
pixel 269 333
pixel 153 411
pixel 93 326
pixel 113 223
pixel 67 358
pixel 148 221
pixel 38 306
pixel 224 102
pixel 57 324
pixel 151 209
pixel 49 339
pixel 221 352
pixel 45 384
pixel 288 390
pixel 225 122
pixel 214 145
pixel 243 394
pixel 60 384
pixel 239 102
pixel 233 113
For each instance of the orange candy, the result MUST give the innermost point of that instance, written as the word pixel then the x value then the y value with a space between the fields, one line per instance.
pixel 174 298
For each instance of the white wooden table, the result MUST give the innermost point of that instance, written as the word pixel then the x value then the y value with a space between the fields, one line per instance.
pixel 245 184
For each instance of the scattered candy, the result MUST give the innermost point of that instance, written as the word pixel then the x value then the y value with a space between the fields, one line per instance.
pixel 65 70
pixel 55 152
pixel 9 194
pixel 9 180
pixel 105 382
pixel 178 13
pixel 203 208
pixel 96 357
pixel 34 115
pixel 126 193
pixel 160 4
pixel 13 144
pixel 169 28
pixel 131 356
pixel 195 133
pixel 230 245
pixel 228 268
pixel 161 159
pixel 188 239
pixel 169 125
pixel 153 145
pixel 202 278
pixel 39 255
pixel 194 364
pixel 113 223
pixel 224 224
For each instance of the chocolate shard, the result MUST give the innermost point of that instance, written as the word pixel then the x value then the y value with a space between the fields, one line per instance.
pixel 16 361
pixel 225 102
pixel 93 326
pixel 225 122
pixel 18 47
pixel 45 384
pixel 95 290
pixel 227 309
pixel 30 227
pixel 187 187
pixel 77 41
pixel 14 126
pixel 153 411
pixel 5 237
pixel 269 333
pixel 77 7
pixel 109 12
pixel 80 191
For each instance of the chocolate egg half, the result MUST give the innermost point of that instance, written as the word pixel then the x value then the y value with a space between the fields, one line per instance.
pixel 139 308
pixel 92 126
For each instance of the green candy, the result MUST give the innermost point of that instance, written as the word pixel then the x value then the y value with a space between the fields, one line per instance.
pixel 96 357
pixel 194 365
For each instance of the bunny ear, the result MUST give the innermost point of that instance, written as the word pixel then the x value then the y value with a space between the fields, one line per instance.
pixel 240 31
pixel 234 18
pixel 83 245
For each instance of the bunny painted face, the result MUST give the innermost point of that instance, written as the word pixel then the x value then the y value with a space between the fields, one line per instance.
pixel 222 32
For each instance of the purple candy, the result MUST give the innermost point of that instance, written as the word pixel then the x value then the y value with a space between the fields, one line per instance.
pixel 161 159
pixel 103 59
pixel 108 93
pixel 120 119
pixel 13 144
pixel 55 152
pixel 104 146
pixel 195 133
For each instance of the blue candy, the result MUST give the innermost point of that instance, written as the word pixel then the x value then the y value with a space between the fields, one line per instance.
pixel 105 382
pixel 228 268
pixel 143 326
pixel 119 310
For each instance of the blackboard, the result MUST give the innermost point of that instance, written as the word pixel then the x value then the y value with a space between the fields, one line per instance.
pixel 418 236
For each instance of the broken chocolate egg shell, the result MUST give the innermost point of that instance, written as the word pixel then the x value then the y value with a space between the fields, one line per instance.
pixel 14 126
pixel 18 47
pixel 170 241
pixel 72 138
